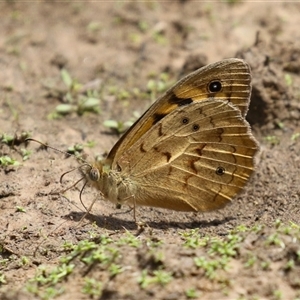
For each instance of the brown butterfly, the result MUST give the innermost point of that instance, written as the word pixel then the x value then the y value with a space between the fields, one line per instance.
pixel 192 150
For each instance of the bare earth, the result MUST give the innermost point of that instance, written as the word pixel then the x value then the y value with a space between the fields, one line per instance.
pixel 113 49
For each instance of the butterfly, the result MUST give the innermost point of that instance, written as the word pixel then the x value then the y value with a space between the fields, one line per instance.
pixel 192 150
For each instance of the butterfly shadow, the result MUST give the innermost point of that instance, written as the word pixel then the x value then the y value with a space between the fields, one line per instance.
pixel 112 222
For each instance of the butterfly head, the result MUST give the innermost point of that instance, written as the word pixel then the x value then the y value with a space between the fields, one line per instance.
pixel 94 173
pixel 91 172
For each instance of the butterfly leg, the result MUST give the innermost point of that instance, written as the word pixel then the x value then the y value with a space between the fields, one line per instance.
pixel 87 211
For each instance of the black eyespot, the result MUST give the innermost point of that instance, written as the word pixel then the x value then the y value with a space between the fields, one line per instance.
pixel 94 174
pixel 119 168
pixel 220 171
pixel 215 86
pixel 185 121
pixel 196 127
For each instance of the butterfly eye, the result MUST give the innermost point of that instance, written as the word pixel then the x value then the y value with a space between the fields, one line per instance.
pixel 94 174
pixel 215 86
pixel 220 171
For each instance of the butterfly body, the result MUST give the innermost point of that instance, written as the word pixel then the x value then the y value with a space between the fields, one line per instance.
pixel 113 185
pixel 191 151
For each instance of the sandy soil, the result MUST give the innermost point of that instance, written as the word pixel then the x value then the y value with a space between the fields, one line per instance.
pixel 113 49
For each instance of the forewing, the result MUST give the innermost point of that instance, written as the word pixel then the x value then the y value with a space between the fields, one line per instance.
pixel 196 159
pixel 228 80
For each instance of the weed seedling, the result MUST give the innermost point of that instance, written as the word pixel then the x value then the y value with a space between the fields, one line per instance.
pixel 191 293
pixel 130 240
pixel 92 287
pixel 159 277
pixel 8 161
pixel 20 209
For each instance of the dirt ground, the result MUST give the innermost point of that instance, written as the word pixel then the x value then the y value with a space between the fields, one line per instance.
pixel 113 51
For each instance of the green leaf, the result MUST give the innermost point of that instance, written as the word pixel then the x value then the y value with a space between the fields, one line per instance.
pixel 64 109
pixel 66 78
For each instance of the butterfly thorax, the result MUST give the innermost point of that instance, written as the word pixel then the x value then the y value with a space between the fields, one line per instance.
pixel 113 186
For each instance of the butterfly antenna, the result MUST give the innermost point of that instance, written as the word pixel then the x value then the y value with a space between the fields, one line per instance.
pixel 61 177
pixel 85 163
pixel 55 149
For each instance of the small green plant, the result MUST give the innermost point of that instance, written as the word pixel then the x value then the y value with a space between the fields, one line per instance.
pixel 71 83
pixel 3 262
pixel 251 261
pixel 14 140
pixel 240 228
pixel 289 265
pixel 25 261
pixel 274 239
pixel 159 37
pixel 83 105
pixel 2 279
pixel 20 209
pixel 272 139
pixel 280 125
pixel 227 248
pixel 53 277
pixel 257 228
pixel 143 26
pixel 130 240
pixel 192 239
pixel 119 93
pixel 25 153
pixel 115 269
pixel 210 266
pixel 8 161
pixel 99 255
pixel 7 139
pixel 220 252
pixel 191 293
pixel 75 150
pixel 117 126
pixel 277 294
pixel 160 277
pixel 92 287
pixel 75 99
pixel 295 136
pixel 288 79
pixel 91 254
pixel 91 144
pixel 50 292
pixel 265 265
pixel 158 86
pixel 94 26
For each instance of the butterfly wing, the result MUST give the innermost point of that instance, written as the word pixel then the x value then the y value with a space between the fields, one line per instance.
pixel 196 159
pixel 228 80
